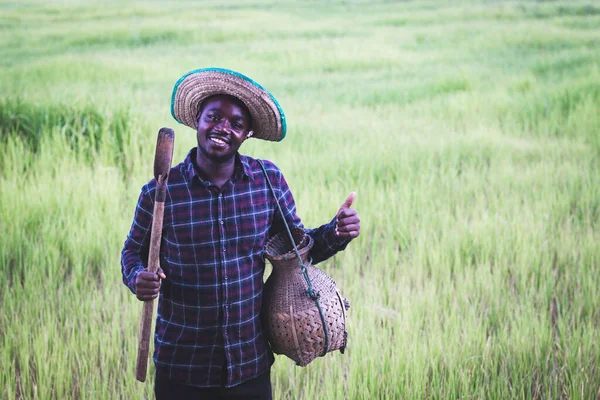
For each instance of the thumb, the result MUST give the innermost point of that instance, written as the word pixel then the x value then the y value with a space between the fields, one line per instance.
pixel 348 202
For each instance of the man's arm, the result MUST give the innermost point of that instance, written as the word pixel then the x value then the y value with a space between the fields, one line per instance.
pixel 134 256
pixel 329 238
pixel 345 226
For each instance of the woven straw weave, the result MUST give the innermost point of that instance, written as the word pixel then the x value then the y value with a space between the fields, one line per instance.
pixel 193 88
pixel 291 318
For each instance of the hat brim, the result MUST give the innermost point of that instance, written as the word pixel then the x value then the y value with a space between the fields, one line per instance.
pixel 268 120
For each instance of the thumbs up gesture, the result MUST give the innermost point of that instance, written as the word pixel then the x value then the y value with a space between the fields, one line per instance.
pixel 347 221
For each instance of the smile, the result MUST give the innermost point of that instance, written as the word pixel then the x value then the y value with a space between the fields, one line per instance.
pixel 218 141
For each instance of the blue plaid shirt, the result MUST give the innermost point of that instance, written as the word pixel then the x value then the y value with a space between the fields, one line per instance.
pixel 208 330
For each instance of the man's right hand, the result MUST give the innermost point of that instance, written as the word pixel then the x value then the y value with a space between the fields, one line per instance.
pixel 147 284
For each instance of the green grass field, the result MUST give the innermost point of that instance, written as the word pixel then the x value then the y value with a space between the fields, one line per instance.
pixel 471 133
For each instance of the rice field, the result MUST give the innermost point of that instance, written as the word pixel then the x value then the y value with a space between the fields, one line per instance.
pixel 469 130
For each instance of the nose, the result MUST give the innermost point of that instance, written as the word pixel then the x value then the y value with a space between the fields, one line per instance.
pixel 224 126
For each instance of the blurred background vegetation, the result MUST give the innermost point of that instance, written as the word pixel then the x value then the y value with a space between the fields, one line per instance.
pixel 470 131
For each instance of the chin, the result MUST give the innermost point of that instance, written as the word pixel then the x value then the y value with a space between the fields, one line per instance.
pixel 224 158
pixel 221 157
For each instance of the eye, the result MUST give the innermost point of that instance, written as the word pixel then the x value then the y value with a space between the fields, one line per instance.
pixel 213 117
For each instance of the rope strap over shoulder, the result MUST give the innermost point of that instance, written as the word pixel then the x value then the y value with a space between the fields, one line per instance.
pixel 310 291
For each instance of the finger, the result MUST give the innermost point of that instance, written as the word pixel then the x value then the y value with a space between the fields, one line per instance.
pixel 147 291
pixel 349 228
pixel 148 284
pixel 146 294
pixel 146 298
pixel 344 232
pixel 351 219
pixel 348 212
pixel 161 273
pixel 148 276
pixel 348 202
pixel 351 234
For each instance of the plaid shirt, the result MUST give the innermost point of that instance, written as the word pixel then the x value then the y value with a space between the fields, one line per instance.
pixel 208 330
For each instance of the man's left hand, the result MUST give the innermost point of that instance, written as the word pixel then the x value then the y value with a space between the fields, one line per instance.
pixel 347 221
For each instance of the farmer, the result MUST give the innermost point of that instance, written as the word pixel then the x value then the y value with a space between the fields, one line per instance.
pixel 219 212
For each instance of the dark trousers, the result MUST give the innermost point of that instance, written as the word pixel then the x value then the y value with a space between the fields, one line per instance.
pixel 258 388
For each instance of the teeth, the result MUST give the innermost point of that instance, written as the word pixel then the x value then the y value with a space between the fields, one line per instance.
pixel 218 141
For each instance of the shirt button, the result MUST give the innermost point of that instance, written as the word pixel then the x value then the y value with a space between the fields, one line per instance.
pixel 221 222
pixel 223 250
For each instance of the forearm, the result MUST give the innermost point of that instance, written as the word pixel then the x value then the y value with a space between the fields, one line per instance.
pixel 326 242
pixel 131 265
pixel 134 256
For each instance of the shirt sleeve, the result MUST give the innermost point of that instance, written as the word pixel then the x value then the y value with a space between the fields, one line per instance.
pixel 326 242
pixel 134 256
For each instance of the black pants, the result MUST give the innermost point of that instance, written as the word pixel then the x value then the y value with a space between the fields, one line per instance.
pixel 258 388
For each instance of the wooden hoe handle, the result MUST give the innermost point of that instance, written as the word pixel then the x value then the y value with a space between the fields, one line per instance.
pixel 162 165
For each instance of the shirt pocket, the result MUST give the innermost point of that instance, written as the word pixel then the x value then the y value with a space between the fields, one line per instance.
pixel 252 224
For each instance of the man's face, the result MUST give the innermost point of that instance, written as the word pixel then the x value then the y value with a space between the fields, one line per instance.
pixel 223 125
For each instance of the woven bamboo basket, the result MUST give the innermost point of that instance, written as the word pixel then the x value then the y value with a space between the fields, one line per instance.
pixel 292 319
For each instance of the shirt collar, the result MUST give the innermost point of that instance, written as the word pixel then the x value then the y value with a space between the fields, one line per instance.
pixel 246 166
pixel 242 167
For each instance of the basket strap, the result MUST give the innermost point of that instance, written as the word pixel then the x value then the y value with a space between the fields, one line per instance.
pixel 310 292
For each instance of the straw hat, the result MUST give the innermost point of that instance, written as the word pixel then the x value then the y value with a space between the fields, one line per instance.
pixel 191 89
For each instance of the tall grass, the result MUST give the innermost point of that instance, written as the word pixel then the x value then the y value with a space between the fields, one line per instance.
pixel 469 130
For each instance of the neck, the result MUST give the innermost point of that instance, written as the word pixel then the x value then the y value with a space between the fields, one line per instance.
pixel 215 171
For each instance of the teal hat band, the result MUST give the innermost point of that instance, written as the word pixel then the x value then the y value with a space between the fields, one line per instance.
pixel 194 87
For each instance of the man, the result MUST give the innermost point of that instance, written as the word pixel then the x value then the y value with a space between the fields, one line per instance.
pixel 219 212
